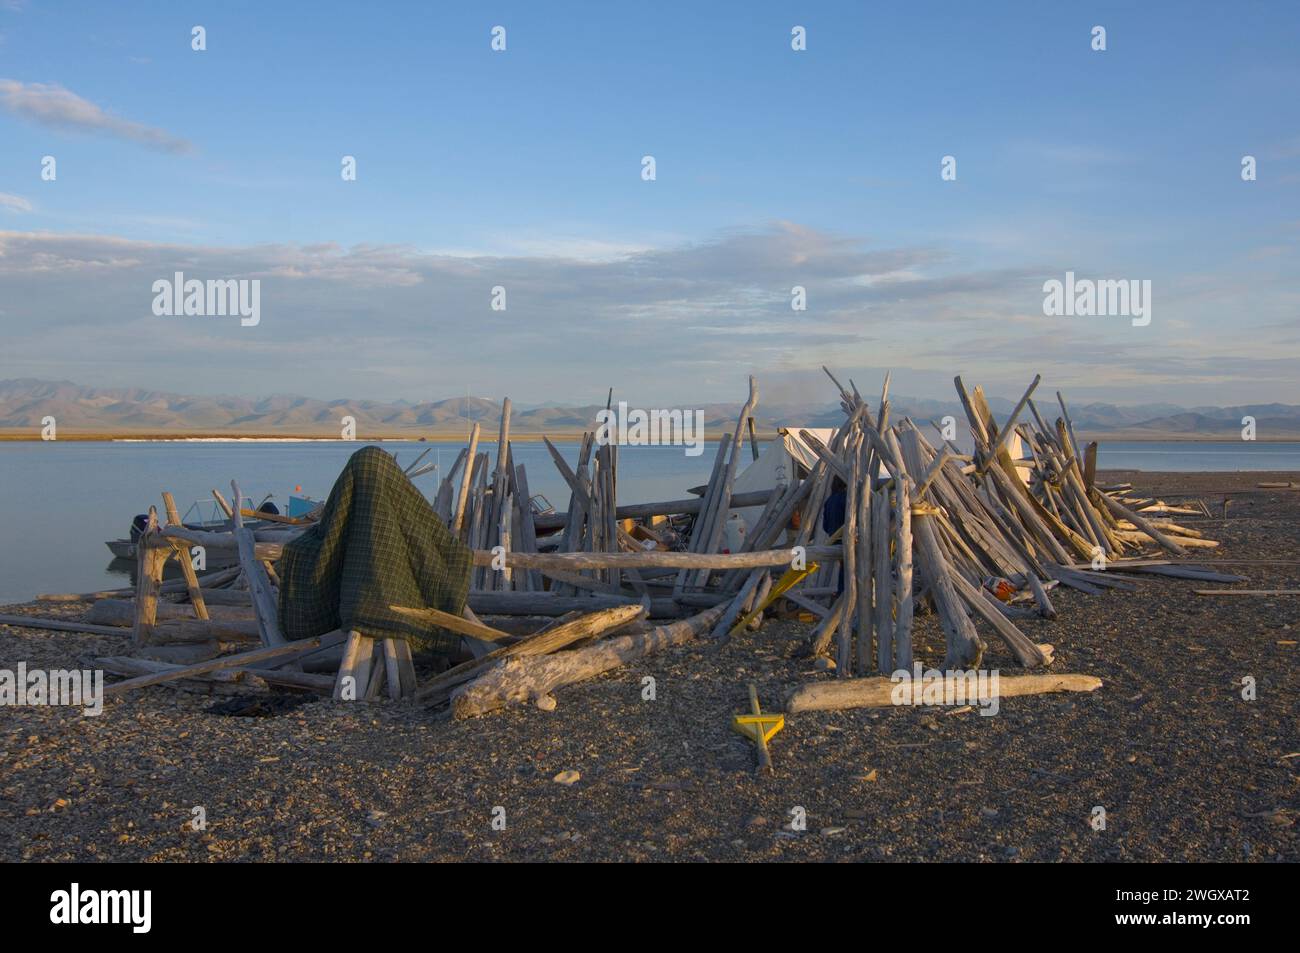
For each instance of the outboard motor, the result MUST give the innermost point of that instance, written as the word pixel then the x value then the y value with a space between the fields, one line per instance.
pixel 138 526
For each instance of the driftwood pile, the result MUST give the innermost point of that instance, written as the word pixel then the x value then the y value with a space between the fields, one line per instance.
pixel 979 539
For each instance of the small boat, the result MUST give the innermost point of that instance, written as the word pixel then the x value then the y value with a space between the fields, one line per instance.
pixel 209 515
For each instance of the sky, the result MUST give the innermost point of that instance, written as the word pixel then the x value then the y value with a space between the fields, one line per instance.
pixel 523 169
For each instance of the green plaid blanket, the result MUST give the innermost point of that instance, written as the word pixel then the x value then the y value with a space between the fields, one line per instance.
pixel 378 543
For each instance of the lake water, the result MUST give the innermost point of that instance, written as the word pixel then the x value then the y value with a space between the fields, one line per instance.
pixel 62 500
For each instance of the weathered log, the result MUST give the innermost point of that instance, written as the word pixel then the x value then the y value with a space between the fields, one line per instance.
pixel 649 558
pixel 183 557
pixel 451 622
pixel 849 565
pixel 458 524
pixel 201 630
pixel 240 660
pixel 877 692
pixel 122 612
pixel 1120 510
pixel 215 578
pixel 60 625
pixel 965 647
pixel 637 511
pixel 150 562
pixel 264 604
pixel 219 542
pixel 551 639
pixel 1025 651
pixel 245 677
pixel 531 678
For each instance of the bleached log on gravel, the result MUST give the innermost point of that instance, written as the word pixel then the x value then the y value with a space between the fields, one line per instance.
pixel 284 652
pixel 60 625
pixel 878 692
pixel 122 612
pixel 528 679
pixel 248 677
pixel 1122 511
pixel 573 562
pixel 562 634
pixel 215 578
pixel 195 630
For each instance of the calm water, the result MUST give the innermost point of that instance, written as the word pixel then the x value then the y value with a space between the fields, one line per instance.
pixel 62 500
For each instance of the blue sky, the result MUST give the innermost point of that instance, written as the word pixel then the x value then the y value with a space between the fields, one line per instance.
pixel 774 167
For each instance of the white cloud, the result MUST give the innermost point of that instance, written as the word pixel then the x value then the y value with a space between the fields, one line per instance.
pixel 665 316
pixel 14 203
pixel 52 105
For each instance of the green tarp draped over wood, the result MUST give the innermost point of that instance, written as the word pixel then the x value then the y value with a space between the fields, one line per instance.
pixel 378 543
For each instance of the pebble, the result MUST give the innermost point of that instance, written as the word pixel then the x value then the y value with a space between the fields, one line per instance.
pixel 566 777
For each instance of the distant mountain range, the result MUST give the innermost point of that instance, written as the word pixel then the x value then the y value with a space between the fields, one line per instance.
pixel 134 411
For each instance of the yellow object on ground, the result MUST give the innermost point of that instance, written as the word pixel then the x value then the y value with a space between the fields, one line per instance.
pixel 759 728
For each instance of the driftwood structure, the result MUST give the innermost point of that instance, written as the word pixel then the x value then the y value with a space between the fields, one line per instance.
pixel 976 539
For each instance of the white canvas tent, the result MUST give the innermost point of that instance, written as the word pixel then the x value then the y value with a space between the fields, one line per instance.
pixel 784 459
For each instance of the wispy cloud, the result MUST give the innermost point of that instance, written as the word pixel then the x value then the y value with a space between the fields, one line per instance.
pixel 14 203
pixel 52 105
pixel 687 317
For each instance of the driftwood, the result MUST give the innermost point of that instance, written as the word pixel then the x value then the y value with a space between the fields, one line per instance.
pixel 637 511
pixel 453 623
pixel 245 677
pixel 878 692
pixel 60 625
pixel 183 557
pixel 549 640
pixel 649 559
pixel 534 678
pixel 242 660
pixel 214 578
pixel 122 612
pixel 264 604
pixel 150 562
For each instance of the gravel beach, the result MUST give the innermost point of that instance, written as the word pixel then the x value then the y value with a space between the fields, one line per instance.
pixel 1185 768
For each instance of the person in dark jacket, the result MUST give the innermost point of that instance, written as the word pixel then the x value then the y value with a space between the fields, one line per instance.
pixel 833 516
